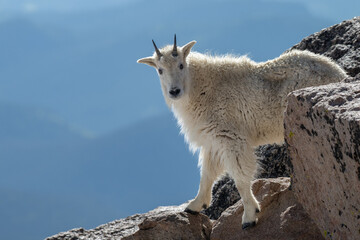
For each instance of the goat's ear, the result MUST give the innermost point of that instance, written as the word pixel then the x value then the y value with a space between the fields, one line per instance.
pixel 148 60
pixel 186 49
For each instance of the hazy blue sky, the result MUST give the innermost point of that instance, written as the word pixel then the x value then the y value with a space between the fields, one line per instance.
pixel 331 9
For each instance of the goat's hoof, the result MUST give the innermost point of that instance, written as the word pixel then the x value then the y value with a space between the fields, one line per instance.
pixel 191 211
pixel 257 210
pixel 248 225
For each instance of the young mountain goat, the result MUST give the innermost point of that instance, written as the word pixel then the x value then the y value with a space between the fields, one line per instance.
pixel 226 106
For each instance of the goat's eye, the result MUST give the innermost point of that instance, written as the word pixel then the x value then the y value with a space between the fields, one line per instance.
pixel 160 71
pixel 181 66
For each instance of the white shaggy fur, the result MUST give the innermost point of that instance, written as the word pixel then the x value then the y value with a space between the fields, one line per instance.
pixel 227 106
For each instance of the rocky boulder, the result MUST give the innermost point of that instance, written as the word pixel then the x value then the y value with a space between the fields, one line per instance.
pixel 322 129
pixel 273 161
pixel 340 42
pixel 162 223
pixel 224 195
pixel 282 216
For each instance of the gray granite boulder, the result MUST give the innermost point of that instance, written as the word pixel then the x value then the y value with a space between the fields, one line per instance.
pixel 322 129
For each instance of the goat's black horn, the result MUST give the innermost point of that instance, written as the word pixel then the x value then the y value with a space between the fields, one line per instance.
pixel 158 53
pixel 174 52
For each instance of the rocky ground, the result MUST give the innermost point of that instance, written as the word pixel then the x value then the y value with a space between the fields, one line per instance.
pixel 322 156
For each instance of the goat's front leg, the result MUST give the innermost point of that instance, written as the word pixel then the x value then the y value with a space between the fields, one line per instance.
pixel 210 170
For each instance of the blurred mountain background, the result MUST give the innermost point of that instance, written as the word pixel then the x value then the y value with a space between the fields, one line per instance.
pixel 85 136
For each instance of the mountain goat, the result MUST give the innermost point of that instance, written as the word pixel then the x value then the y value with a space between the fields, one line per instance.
pixel 226 106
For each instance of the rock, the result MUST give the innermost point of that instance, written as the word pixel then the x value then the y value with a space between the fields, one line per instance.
pixel 282 217
pixel 224 195
pixel 340 42
pixel 161 223
pixel 273 161
pixel 322 128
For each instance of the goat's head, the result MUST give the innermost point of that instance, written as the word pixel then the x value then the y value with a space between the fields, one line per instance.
pixel 172 68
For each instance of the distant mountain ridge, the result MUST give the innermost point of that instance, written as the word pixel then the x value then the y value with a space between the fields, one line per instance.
pixel 97 179
pixel 22 125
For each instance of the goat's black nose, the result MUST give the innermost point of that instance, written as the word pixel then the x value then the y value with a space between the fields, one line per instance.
pixel 174 92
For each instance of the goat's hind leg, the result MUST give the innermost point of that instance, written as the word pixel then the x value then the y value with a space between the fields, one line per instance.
pixel 242 168
pixel 210 170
